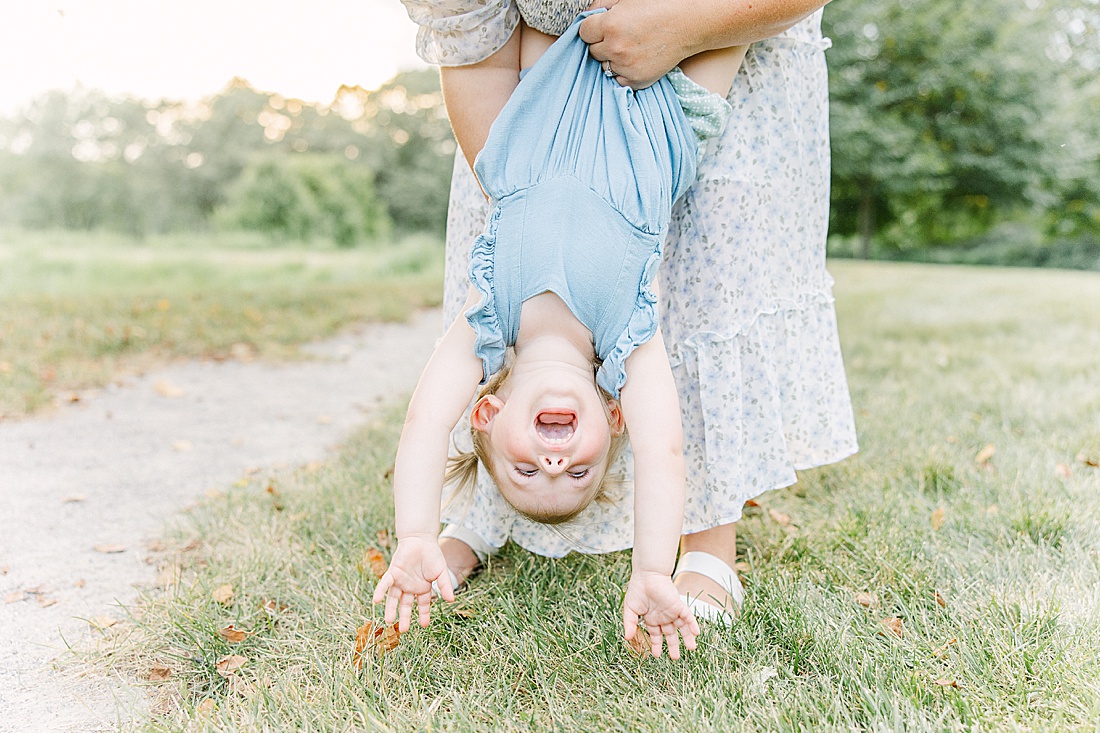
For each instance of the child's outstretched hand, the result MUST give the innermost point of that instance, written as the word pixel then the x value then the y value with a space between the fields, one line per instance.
pixel 417 562
pixel 653 597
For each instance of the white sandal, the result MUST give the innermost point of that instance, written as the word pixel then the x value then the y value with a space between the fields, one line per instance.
pixel 715 569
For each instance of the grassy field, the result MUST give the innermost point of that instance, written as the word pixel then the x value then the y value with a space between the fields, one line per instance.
pixel 79 310
pixel 946 578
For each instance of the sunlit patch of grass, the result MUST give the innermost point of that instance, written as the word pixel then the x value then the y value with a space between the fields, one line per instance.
pixel 83 310
pixel 988 566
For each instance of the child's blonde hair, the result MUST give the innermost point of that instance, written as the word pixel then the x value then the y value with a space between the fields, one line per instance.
pixel 462 468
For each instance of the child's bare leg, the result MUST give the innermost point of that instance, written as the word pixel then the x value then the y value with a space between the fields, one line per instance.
pixel 721 542
pixel 715 70
pixel 460 558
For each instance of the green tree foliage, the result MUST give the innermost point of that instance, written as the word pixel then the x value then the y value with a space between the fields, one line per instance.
pixel 352 169
pixel 307 195
pixel 936 111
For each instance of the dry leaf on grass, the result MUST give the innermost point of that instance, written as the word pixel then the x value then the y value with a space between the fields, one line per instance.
pixel 158 673
pixel 383 638
pixel 937 518
pixel 465 612
pixel 867 600
pixel 780 517
pixel 374 562
pixel 985 454
pixel 892 625
pixel 1088 460
pixel 384 538
pixel 45 602
pixel 15 596
pixel 230 663
pixel 102 622
pixel 388 473
pixel 1063 471
pixel 639 643
pixel 233 635
pixel 751 502
pixel 269 606
pixel 945 683
pixel 940 600
pixel 276 497
pixel 223 594
pixel 167 389
pixel 110 549
pixel 940 651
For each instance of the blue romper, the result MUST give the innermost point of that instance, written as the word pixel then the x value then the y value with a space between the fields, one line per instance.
pixel 582 173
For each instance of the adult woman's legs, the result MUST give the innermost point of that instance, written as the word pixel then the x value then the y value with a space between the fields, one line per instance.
pixel 721 542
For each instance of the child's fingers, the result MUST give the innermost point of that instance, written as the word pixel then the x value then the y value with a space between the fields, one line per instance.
pixel 424 603
pixel 392 599
pixel 446 590
pixel 656 641
pixel 384 584
pixel 405 615
pixel 672 639
pixel 630 624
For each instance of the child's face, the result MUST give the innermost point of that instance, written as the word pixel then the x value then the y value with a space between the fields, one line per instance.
pixel 549 432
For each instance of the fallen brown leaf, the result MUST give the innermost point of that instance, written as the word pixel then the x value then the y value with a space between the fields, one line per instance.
pixel 751 502
pixel 72 397
pixel 269 606
pixel 102 622
pixel 45 602
pixel 167 389
pixel 193 544
pixel 15 596
pixel 374 562
pixel 465 612
pixel 223 594
pixel 229 664
pixel 780 517
pixel 937 519
pixel 639 643
pixel 276 502
pixel 940 601
pixel 233 635
pixel 893 626
pixel 384 538
pixel 945 683
pixel 867 600
pixel 383 638
pixel 1063 471
pixel 940 651
pixel 388 473
pixel 156 546
pixel 1088 460
pixel 158 673
pixel 110 549
pixel 985 454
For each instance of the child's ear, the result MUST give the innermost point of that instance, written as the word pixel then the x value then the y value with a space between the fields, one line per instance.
pixel 481 417
pixel 615 417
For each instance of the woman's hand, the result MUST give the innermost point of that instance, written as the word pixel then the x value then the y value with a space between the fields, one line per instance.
pixel 417 562
pixel 653 597
pixel 639 38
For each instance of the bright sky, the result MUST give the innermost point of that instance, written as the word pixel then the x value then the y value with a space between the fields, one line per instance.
pixel 187 49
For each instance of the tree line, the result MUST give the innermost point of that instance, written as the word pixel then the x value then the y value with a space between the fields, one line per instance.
pixel 949 121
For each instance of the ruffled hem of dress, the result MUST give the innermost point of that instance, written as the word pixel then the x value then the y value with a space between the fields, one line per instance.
pixel 489 343
pixel 639 329
pixel 782 373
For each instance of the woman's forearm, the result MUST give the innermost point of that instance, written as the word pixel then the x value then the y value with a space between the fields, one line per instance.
pixel 644 39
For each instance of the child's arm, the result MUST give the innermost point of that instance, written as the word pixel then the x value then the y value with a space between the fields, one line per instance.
pixel 444 391
pixel 651 410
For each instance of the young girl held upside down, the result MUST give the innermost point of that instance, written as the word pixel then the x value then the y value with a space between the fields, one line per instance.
pixel 582 174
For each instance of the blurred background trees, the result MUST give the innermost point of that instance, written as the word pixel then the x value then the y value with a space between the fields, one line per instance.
pixel 961 132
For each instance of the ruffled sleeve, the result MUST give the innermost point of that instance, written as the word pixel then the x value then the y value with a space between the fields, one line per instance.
pixel 489 344
pixel 461 32
pixel 611 375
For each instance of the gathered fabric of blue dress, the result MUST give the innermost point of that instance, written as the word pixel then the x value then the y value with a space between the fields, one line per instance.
pixel 582 174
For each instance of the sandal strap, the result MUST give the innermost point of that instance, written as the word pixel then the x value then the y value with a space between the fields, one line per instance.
pixel 709 566
pixel 454 584
pixel 704 611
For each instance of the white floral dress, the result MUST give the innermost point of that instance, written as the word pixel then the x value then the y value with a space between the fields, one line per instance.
pixel 746 303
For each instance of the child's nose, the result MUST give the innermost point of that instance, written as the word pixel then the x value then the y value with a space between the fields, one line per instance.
pixel 555 465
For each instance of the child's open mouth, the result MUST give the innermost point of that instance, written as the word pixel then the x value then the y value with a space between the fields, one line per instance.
pixel 556 428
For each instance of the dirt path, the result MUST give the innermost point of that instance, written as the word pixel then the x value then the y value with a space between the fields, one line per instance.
pixel 112 468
